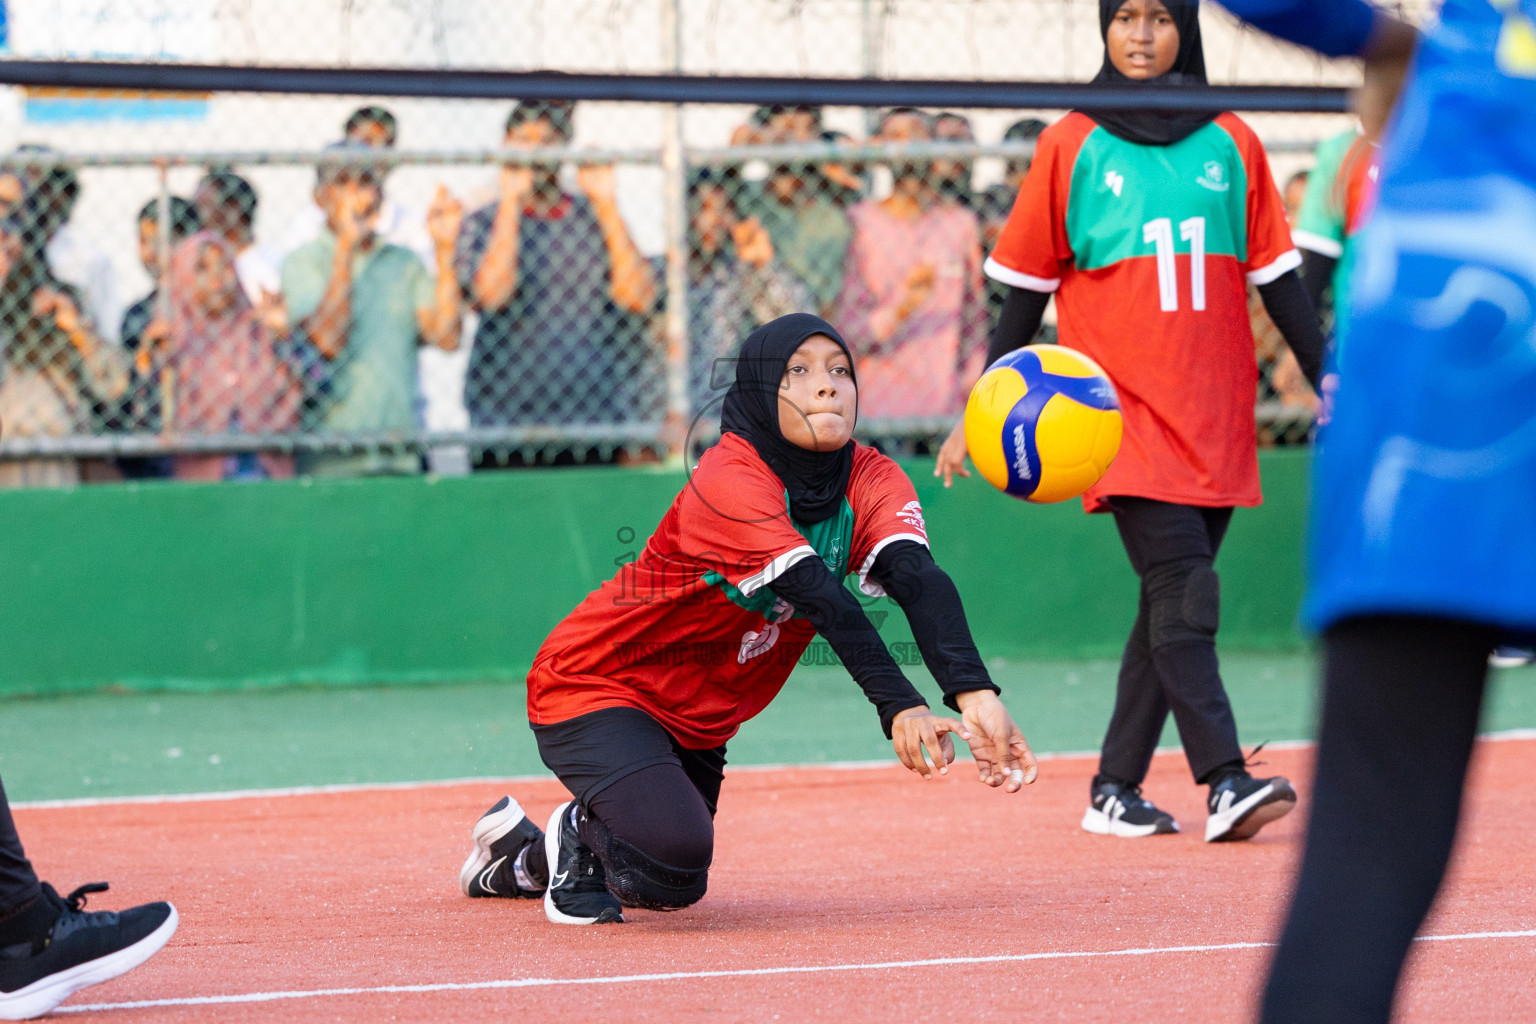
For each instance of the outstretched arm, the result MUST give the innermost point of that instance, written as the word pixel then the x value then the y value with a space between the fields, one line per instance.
pixel 904 715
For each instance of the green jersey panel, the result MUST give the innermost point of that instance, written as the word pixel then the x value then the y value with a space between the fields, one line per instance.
pixel 1123 194
pixel 831 538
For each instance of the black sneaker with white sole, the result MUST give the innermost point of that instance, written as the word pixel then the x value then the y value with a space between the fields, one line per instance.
pixel 80 949
pixel 1118 809
pixel 1240 805
pixel 578 888
pixel 498 863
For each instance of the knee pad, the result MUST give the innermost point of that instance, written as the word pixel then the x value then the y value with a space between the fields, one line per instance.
pixel 638 880
pixel 1189 610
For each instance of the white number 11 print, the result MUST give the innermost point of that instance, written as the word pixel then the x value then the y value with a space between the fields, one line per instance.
pixel 1160 233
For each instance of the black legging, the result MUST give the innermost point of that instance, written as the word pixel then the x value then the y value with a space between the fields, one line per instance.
pixel 1170 658
pixel 18 882
pixel 1401 698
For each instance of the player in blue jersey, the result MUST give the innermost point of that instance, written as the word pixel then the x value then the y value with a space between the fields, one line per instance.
pixel 1423 552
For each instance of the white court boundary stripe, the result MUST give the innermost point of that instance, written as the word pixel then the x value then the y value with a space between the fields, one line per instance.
pixel 513 780
pixel 746 972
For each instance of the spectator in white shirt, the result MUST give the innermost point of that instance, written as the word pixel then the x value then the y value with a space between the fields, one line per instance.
pixel 71 256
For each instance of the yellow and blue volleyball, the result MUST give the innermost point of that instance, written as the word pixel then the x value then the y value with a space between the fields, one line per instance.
pixel 1043 423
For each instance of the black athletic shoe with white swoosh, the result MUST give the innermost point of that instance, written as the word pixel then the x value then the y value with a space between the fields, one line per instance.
pixel 497 865
pixel 1118 809
pixel 578 888
pixel 81 948
pixel 1240 805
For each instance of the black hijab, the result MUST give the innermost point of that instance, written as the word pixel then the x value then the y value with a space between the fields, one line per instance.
pixel 816 481
pixel 1154 127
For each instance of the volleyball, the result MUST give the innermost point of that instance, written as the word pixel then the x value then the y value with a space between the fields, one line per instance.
pixel 1043 423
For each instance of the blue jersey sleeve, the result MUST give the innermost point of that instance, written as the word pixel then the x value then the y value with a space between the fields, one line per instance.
pixel 1338 28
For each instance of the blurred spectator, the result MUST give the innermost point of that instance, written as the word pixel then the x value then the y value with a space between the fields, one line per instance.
pixel 809 230
pixel 225 374
pixel 73 257
pixel 370 128
pixel 365 305
pixel 1005 192
pixel 952 178
pixel 841 183
pixel 734 284
pixel 771 124
pixel 56 368
pixel 912 307
pixel 1294 192
pixel 226 205
pixel 561 289
pixel 139 410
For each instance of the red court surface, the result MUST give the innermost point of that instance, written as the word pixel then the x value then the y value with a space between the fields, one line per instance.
pixel 838 894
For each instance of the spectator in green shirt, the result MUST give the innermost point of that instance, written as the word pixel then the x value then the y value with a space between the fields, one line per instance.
pixel 364 305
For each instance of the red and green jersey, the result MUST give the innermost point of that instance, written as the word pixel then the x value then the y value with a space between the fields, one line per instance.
pixel 690 632
pixel 1340 193
pixel 1148 249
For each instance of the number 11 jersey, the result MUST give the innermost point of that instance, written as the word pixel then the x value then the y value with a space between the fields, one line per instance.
pixel 1148 249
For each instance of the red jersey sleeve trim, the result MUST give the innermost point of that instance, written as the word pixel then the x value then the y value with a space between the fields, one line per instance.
pixel 776 568
pixel 1007 275
pixel 875 589
pixel 1287 261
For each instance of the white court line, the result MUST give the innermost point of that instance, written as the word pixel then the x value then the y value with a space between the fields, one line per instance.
pixel 513 780
pixel 747 972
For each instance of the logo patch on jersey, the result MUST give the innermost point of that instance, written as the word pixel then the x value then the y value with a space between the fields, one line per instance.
pixel 912 515
pixel 754 643
pixel 1214 178
pixel 1114 181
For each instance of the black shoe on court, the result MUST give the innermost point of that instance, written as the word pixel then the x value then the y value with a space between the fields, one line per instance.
pixel 498 864
pixel 1120 810
pixel 80 949
pixel 1240 805
pixel 578 888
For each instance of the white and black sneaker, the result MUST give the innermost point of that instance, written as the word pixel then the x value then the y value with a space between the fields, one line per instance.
pixel 1120 810
pixel 1240 805
pixel 498 864
pixel 578 888
pixel 79 949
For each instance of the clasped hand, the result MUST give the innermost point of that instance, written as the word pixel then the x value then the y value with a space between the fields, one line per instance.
pixel 1003 758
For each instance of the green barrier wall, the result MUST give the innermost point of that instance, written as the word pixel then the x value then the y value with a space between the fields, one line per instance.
pixel 420 580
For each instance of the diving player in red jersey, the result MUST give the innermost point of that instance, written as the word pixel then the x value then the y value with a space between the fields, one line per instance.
pixel 634 695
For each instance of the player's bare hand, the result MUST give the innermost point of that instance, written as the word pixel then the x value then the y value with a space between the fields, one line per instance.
pixel 951 460
pixel 918 729
pixel 1002 756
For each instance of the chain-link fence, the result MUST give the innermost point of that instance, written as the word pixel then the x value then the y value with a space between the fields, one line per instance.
pixel 238 285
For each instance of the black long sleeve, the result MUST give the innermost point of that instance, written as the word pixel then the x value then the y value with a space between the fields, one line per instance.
pixel 1018 322
pixel 1316 275
pixel 908 573
pixel 835 612
pixel 1285 299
